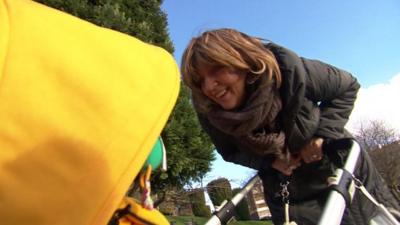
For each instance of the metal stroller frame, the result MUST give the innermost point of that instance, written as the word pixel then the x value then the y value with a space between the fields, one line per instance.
pixel 335 205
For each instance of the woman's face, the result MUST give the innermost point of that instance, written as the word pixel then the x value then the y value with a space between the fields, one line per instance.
pixel 224 86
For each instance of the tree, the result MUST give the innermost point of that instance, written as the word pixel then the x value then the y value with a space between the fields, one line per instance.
pixel 198 201
pixel 387 160
pixel 189 151
pixel 382 143
pixel 242 209
pixel 375 133
pixel 219 190
pixel 142 19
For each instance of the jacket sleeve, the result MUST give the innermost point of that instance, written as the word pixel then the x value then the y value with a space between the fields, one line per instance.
pixel 335 91
pixel 226 147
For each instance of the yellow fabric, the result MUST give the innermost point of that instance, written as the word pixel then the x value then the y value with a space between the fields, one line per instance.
pixel 140 216
pixel 80 109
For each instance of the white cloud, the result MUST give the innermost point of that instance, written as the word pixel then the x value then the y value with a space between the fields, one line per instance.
pixel 378 102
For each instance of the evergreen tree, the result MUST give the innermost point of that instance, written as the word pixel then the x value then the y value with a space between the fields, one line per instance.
pixel 242 211
pixel 198 201
pixel 219 190
pixel 189 151
pixel 142 19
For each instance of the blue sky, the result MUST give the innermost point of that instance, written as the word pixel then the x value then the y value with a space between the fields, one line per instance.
pixel 360 36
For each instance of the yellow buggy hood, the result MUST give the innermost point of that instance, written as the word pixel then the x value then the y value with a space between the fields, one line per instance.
pixel 80 109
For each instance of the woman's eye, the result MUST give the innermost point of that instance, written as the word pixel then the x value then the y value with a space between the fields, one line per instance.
pixel 199 81
pixel 217 70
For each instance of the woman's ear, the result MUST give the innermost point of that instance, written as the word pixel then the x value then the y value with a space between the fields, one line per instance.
pixel 251 78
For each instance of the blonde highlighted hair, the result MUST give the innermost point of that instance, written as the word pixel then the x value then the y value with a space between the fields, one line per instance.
pixel 227 48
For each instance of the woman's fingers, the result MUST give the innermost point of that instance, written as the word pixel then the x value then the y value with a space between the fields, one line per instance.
pixel 285 167
pixel 312 151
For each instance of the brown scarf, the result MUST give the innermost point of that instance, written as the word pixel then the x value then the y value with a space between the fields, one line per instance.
pixel 254 124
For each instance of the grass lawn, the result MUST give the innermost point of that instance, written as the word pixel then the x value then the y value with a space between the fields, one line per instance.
pixel 181 220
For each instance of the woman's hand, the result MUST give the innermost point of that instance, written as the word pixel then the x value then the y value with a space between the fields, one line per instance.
pixel 286 167
pixel 312 151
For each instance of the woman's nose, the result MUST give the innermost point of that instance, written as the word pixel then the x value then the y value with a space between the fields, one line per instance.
pixel 209 84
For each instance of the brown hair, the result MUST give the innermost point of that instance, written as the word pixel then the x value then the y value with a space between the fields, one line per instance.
pixel 227 48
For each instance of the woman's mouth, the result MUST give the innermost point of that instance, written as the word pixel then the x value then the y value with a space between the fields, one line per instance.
pixel 221 93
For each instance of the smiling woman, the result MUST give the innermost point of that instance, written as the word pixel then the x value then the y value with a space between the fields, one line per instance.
pixel 223 85
pixel 266 108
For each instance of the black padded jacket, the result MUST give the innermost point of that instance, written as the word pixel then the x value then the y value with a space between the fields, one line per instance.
pixel 317 101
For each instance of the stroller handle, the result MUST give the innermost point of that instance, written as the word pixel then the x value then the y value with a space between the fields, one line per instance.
pixel 336 204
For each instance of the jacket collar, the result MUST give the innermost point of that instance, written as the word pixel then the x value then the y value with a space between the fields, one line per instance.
pixel 293 78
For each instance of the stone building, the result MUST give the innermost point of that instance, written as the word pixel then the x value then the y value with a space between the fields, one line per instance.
pixel 257 206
